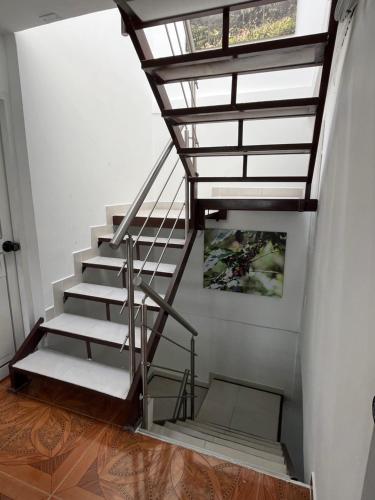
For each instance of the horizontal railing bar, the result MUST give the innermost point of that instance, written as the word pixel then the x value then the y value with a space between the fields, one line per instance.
pixel 140 198
pixel 169 397
pixel 150 292
pixel 171 340
pixel 151 365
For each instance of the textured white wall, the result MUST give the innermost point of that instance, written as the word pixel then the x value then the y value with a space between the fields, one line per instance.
pixel 87 111
pixel 338 341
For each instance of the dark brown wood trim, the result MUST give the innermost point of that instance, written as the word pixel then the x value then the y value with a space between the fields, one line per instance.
pixel 102 239
pixel 152 222
pixel 249 179
pixel 195 114
pixel 27 347
pixel 70 295
pixel 261 149
pixel 30 343
pixel 143 50
pixel 237 50
pixel 117 268
pixel 288 205
pixel 324 82
pixel 162 316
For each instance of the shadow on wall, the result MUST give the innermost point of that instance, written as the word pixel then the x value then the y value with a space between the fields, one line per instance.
pixel 369 483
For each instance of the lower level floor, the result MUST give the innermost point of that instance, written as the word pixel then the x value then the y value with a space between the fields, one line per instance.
pixel 50 452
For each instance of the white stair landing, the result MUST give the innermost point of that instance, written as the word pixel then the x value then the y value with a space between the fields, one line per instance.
pixel 91 329
pixel 77 371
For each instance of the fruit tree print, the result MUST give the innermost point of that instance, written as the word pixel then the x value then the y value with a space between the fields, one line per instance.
pixel 244 261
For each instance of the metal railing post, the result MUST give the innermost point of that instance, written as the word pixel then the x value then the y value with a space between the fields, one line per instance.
pixel 131 316
pixel 187 204
pixel 192 378
pixel 144 364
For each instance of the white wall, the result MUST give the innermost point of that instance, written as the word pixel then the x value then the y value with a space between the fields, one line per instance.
pixel 339 343
pixel 87 112
pixel 245 336
pixel 19 188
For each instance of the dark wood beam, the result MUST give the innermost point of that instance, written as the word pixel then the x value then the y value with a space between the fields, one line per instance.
pixel 262 149
pixel 249 179
pixel 277 205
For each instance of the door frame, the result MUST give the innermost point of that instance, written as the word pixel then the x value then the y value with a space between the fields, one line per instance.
pixel 17 172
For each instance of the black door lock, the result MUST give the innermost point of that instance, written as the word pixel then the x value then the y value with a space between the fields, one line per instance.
pixel 11 246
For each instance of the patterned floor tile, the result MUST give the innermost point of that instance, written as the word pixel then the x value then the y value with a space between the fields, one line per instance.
pixel 12 489
pixel 48 452
pixel 45 443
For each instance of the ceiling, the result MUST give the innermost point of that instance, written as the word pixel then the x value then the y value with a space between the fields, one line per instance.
pixel 18 15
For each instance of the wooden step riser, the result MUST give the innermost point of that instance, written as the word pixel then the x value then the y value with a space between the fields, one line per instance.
pixel 154 222
pixel 68 295
pixel 145 244
pixel 107 408
pixel 84 338
pixel 116 269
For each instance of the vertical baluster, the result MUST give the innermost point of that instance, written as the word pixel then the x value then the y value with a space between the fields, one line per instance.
pixel 145 400
pixel 187 203
pixel 131 318
pixel 192 378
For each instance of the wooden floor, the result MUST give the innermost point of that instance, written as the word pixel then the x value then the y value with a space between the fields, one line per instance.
pixel 49 452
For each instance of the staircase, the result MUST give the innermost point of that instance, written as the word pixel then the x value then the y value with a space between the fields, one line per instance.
pixel 108 318
pixel 187 67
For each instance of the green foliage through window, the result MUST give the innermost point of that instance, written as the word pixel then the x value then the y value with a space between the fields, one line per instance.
pixel 246 25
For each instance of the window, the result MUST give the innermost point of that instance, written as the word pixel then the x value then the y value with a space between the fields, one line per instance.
pixel 246 25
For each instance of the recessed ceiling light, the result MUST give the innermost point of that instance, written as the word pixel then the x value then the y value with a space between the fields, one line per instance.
pixel 50 17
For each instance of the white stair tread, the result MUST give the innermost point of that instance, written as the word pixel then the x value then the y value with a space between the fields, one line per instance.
pixel 244 458
pixel 110 293
pixel 158 213
pixel 83 326
pixel 150 239
pixel 81 372
pixel 274 450
pixel 246 448
pixel 115 262
pixel 239 435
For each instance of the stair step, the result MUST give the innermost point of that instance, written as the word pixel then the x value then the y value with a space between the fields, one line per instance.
pixel 107 294
pixel 80 372
pixel 246 448
pixel 281 54
pixel 269 149
pixel 274 448
pixel 115 264
pixel 93 330
pixel 157 218
pixel 148 241
pixel 245 458
pixel 243 111
pixel 240 434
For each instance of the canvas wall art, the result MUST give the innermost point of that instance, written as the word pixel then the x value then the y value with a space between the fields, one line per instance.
pixel 244 261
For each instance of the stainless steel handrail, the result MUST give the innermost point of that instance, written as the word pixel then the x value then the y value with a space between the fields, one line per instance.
pixel 140 198
pixel 150 292
pixel 181 398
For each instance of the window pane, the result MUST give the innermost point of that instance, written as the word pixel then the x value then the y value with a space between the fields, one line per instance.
pixel 207 32
pixel 263 22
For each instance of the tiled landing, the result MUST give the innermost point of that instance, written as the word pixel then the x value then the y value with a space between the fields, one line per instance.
pixel 47 452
